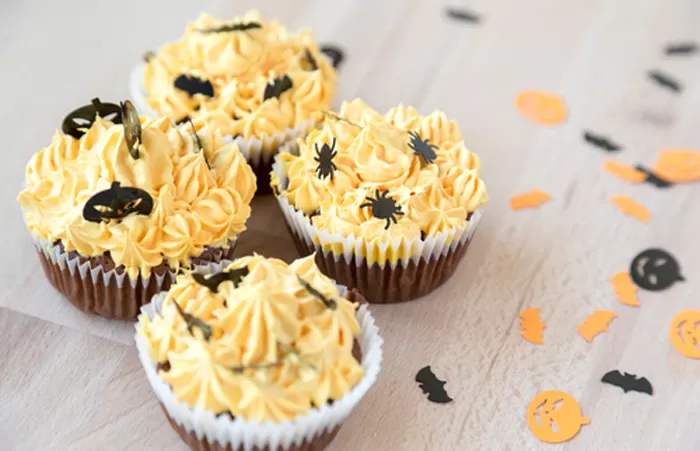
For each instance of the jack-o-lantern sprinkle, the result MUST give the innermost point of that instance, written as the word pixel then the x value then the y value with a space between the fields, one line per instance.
pixel 78 121
pixel 555 416
pixel 685 333
pixel 117 203
pixel 541 107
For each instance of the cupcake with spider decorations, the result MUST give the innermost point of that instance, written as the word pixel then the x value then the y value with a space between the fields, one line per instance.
pixel 389 203
pixel 258 354
pixel 255 82
pixel 118 203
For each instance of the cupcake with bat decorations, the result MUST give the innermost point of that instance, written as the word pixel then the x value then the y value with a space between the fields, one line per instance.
pixel 117 204
pixel 389 203
pixel 255 82
pixel 258 354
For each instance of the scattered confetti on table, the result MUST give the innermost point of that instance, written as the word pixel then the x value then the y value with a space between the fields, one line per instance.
pixel 596 323
pixel 625 172
pixel 555 416
pixel 625 289
pixel 531 199
pixel 542 107
pixel 685 333
pixel 631 207
pixel 531 326
pixel 628 382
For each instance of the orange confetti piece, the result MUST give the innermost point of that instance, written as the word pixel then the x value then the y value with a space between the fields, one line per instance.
pixel 625 289
pixel 685 333
pixel 625 172
pixel 631 207
pixel 541 107
pixel 555 416
pixel 531 199
pixel 678 165
pixel 531 326
pixel 596 323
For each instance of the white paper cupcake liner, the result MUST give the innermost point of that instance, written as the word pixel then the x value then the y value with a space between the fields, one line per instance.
pixel 100 291
pixel 248 435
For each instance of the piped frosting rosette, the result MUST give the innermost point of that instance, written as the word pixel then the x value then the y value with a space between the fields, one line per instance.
pixel 389 203
pixel 258 354
pixel 254 81
pixel 115 214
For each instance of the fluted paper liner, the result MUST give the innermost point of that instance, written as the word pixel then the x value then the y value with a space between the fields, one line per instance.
pixel 204 430
pixel 384 272
pixel 259 153
pixel 94 289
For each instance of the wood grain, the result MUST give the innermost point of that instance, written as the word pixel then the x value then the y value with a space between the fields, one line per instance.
pixel 73 382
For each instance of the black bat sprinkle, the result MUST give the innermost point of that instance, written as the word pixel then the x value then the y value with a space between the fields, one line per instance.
pixel 432 386
pixel 117 202
pixel 664 81
pixel 463 15
pixel 628 382
pixel 212 282
pixel 601 142
pixel 193 85
pixel 681 48
pixel 652 178
pixel 334 53
pixel 276 87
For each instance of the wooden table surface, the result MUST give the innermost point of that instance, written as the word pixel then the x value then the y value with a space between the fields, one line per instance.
pixel 69 381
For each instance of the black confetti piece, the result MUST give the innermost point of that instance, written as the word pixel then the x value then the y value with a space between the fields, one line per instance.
pixel 664 81
pixel 601 142
pixel 462 14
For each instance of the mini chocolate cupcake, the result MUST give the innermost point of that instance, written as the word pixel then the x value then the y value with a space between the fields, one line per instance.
pixel 388 203
pixel 258 355
pixel 117 204
pixel 254 81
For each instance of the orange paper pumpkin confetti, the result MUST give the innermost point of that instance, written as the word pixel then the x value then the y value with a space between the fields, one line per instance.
pixel 685 333
pixel 555 416
pixel 531 326
pixel 625 289
pixel 596 323
pixel 631 207
pixel 531 199
pixel 626 173
pixel 541 107
pixel 682 165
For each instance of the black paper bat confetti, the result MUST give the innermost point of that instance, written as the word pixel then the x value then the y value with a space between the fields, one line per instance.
pixel 601 142
pixel 116 203
pixel 628 382
pixel 681 48
pixel 652 178
pixel 432 386
pixel 212 282
pixel 276 87
pixel 78 121
pixel 664 81
pixel 193 85
pixel 655 270
pixel 227 28
pixel 462 15
pixel 334 54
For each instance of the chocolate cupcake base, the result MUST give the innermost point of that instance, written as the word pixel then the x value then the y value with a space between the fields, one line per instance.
pixel 382 284
pixel 97 286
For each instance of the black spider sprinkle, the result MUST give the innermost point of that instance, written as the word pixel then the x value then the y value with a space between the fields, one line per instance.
pixel 276 87
pixel 324 157
pixel 422 148
pixel 383 207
